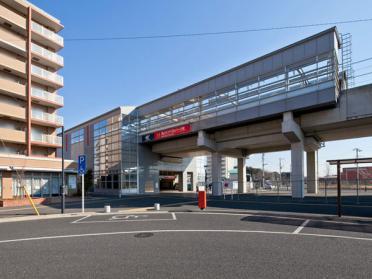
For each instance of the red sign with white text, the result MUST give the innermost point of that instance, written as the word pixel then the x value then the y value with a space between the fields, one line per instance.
pixel 181 130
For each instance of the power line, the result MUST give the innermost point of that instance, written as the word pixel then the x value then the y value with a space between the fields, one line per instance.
pixel 363 60
pixel 217 32
pixel 365 74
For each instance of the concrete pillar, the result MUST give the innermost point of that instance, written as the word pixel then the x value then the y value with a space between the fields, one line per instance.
pixel 216 174
pixel 242 176
pixel 312 172
pixel 184 181
pixel 7 185
pixel 297 171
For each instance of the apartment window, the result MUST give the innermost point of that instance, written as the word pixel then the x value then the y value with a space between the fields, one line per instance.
pixel 77 136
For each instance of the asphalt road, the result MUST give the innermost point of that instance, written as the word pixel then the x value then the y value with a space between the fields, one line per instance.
pixel 188 202
pixel 187 245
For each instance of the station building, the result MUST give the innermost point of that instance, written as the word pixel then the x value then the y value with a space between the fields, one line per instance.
pixel 112 151
pixel 294 98
pixel 29 101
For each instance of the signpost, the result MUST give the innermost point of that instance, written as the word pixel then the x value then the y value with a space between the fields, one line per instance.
pixel 82 169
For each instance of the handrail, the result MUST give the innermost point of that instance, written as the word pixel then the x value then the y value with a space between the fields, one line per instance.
pixel 321 71
pixel 42 94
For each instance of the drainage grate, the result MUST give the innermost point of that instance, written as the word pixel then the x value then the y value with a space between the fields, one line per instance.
pixel 143 235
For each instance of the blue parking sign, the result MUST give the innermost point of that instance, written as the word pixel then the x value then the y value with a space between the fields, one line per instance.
pixel 82 165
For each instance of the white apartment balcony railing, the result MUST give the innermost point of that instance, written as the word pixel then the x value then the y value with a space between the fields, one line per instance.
pixel 47 54
pixel 53 97
pixel 50 139
pixel 47 33
pixel 47 117
pixel 46 74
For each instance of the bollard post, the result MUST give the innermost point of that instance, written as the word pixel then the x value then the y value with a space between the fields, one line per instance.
pixel 202 198
pixel 157 206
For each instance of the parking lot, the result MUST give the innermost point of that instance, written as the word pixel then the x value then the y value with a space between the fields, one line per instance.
pixel 182 242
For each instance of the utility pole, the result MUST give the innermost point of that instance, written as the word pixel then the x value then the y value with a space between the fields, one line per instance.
pixel 263 170
pixel 62 188
pixel 357 150
pixel 280 170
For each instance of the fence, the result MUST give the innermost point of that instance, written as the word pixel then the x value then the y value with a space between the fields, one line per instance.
pixel 352 191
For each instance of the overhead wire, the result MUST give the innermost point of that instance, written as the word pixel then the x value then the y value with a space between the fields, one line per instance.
pixel 226 32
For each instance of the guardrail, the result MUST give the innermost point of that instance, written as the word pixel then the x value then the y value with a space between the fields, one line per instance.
pixel 42 94
pixel 316 73
pixel 50 139
pixel 46 74
pixel 47 33
pixel 47 54
pixel 47 117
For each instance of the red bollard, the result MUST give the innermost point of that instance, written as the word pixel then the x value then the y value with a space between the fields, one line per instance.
pixel 202 198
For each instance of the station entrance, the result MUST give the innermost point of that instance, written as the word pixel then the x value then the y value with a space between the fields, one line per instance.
pixel 170 181
pixel 174 181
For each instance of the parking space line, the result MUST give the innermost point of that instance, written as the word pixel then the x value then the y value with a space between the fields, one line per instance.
pixel 300 228
pixel 80 219
pixel 120 217
pixel 272 216
pixel 121 221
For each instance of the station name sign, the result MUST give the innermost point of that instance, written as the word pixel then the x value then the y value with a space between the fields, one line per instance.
pixel 168 133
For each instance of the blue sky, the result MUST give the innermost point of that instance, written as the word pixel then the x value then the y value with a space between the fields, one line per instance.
pixel 102 75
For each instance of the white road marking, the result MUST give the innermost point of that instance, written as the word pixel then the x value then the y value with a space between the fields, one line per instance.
pixel 125 218
pixel 272 216
pixel 78 220
pixel 181 231
pixel 300 228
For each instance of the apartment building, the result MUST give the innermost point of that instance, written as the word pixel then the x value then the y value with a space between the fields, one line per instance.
pixel 29 100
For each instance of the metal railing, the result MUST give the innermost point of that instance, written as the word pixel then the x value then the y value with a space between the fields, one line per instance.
pixel 46 74
pixel 50 139
pixel 47 33
pixel 45 95
pixel 47 117
pixel 314 74
pixel 47 54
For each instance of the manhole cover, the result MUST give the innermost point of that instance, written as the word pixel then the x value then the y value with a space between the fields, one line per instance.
pixel 143 235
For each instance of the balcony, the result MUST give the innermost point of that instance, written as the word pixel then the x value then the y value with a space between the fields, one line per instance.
pixel 47 78
pixel 41 33
pixel 46 98
pixel 48 57
pixel 46 140
pixel 11 135
pixel 46 119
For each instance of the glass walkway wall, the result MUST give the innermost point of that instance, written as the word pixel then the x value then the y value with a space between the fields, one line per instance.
pixel 313 74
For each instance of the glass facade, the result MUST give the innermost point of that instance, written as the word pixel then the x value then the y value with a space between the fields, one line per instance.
pixel 116 154
pixel 39 184
pixel 77 136
pixel 311 75
pixel 129 150
pixel 107 154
